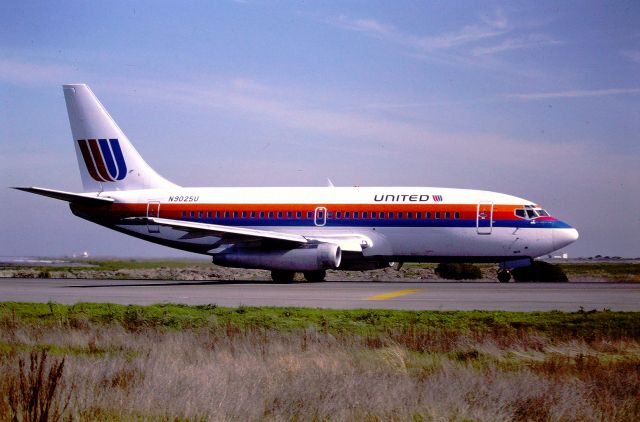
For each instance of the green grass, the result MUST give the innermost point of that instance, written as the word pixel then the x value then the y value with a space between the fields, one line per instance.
pixel 345 322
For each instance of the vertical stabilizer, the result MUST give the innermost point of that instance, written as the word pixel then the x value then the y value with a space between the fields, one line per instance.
pixel 107 159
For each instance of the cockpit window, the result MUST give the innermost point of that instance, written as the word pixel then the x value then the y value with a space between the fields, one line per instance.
pixel 529 212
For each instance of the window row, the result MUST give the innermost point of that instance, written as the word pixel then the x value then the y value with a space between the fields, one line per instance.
pixel 330 215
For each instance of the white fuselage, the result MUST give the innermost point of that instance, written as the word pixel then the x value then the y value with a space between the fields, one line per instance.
pixel 411 224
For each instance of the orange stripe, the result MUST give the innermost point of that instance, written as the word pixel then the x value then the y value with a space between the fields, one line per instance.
pixel 173 210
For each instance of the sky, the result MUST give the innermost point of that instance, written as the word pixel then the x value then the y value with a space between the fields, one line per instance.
pixel 536 99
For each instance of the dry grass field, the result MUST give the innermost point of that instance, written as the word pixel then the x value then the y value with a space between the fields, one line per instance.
pixel 108 362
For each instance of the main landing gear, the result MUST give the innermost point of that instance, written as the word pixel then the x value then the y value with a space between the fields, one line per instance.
pixel 284 276
pixel 504 276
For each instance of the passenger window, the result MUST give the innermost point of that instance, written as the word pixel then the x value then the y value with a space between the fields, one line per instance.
pixel 374 214
pixel 456 215
pixel 428 215
pixel 409 214
pixel 419 214
pixel 338 214
pixel 298 214
pixel 381 214
pixel 226 214
pixel 390 214
pixel 209 214
pixel 399 214
pixel 355 214
pixel 347 214
pixel 364 214
pixel 289 214
pixel 309 214
pixel 193 214
pixel 447 215
pixel 184 213
pixel 253 214
pixel 437 215
pixel 200 214
pixel 270 214
pixel 279 214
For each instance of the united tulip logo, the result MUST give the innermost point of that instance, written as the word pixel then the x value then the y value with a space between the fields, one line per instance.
pixel 104 159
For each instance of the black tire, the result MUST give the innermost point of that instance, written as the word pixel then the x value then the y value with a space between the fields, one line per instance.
pixel 282 276
pixel 504 276
pixel 315 276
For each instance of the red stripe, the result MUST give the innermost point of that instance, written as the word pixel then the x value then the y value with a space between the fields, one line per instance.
pixel 88 161
pixel 97 157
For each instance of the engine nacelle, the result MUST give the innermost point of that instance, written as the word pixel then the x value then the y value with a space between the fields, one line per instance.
pixel 323 256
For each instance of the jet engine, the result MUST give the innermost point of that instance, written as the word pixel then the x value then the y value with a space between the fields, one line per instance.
pixel 318 257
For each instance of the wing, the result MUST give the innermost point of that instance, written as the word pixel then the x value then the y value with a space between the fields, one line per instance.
pixel 227 232
pixel 231 235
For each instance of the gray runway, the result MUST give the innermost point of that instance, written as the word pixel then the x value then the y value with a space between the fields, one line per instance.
pixel 337 295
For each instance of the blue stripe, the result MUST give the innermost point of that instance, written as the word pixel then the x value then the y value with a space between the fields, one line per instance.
pixel 117 152
pixel 108 158
pixel 345 222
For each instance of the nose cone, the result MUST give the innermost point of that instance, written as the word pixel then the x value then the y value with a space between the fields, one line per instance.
pixel 564 237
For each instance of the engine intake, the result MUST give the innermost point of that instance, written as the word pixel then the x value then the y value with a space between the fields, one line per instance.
pixel 323 256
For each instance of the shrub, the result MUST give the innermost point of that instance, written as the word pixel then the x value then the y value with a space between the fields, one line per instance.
pixel 539 271
pixel 33 393
pixel 458 271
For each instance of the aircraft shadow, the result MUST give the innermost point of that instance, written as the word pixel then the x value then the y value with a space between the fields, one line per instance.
pixel 139 283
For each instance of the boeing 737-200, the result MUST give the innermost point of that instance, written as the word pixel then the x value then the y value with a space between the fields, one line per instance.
pixel 296 229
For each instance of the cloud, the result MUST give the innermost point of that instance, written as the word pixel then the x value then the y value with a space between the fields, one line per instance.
pixel 19 72
pixel 424 44
pixel 474 45
pixel 529 41
pixel 633 55
pixel 580 93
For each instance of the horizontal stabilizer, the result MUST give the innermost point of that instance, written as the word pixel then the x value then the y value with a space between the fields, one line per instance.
pixel 68 196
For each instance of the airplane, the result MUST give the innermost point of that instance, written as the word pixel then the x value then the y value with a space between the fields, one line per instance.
pixel 296 229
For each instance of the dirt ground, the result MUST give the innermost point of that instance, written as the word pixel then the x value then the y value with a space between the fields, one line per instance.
pixel 214 272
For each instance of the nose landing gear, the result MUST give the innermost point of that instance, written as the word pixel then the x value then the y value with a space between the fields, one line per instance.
pixel 504 273
pixel 504 276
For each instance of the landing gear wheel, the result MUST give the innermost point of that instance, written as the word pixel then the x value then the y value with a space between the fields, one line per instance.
pixel 315 276
pixel 504 276
pixel 281 276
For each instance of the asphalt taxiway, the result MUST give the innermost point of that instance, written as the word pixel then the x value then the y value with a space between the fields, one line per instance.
pixel 337 295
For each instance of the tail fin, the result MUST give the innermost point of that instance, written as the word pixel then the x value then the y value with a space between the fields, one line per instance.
pixel 107 160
